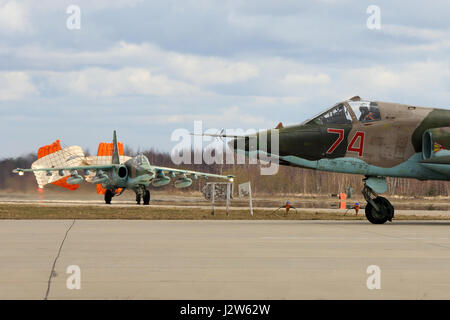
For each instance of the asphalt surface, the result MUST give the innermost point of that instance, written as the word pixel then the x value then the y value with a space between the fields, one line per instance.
pixel 124 259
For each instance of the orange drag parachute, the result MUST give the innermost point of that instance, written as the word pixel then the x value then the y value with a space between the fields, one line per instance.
pixel 51 156
pixel 106 149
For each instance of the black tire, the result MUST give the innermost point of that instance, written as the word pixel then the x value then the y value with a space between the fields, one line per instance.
pixel 386 211
pixel 146 198
pixel 391 210
pixel 108 196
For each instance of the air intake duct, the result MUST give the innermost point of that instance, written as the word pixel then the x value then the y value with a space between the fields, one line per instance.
pixel 436 143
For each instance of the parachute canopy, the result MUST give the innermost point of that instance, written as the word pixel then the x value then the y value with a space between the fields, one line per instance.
pixel 52 155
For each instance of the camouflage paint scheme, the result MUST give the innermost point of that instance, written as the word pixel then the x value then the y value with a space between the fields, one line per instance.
pixel 372 138
pixel 390 144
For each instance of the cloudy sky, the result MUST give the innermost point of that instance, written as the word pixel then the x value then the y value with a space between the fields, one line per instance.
pixel 146 68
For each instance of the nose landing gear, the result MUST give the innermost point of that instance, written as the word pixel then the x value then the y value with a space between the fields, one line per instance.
pixel 378 209
pixel 144 194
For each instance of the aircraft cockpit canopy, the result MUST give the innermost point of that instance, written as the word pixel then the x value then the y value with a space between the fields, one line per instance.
pixel 141 160
pixel 336 115
pixel 365 111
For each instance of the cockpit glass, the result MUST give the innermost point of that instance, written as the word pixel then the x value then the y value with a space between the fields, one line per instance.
pixel 336 115
pixel 365 111
pixel 141 160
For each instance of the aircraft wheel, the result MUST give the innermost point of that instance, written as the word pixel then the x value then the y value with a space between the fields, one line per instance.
pixel 108 196
pixel 379 217
pixel 146 197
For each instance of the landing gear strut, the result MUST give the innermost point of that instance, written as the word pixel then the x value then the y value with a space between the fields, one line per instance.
pixel 378 209
pixel 144 194
pixel 146 198
pixel 108 196
pixel 138 198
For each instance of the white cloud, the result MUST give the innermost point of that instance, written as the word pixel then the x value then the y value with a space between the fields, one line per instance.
pixel 289 28
pixel 411 76
pixel 270 100
pixel 202 70
pixel 147 69
pixel 126 81
pixel 13 17
pixel 88 5
pixel 414 32
pixel 426 80
pixel 15 86
pixel 231 117
pixel 307 79
pixel 211 70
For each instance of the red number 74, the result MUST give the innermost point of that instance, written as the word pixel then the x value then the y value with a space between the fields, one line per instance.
pixel 351 146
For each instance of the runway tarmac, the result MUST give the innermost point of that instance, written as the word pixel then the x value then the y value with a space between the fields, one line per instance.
pixel 126 259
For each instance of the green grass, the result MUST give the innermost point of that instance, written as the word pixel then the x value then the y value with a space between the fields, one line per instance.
pixel 30 211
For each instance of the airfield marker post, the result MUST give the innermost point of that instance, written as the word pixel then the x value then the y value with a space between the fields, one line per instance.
pixel 213 191
pixel 245 189
pixel 250 197
pixel 224 193
pixel 228 196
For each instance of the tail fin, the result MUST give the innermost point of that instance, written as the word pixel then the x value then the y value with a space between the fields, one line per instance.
pixel 115 154
pixel 106 150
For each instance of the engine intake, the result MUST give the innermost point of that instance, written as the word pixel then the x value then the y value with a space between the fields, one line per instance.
pixel 122 172
pixel 436 143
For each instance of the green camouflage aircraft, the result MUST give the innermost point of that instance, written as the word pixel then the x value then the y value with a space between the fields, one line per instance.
pixel 375 139
pixel 115 173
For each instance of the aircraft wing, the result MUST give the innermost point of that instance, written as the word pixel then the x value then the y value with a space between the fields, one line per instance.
pixel 93 167
pixel 46 175
pixel 172 172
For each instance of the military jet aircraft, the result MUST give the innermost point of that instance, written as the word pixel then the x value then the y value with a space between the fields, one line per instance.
pixel 375 139
pixel 112 172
